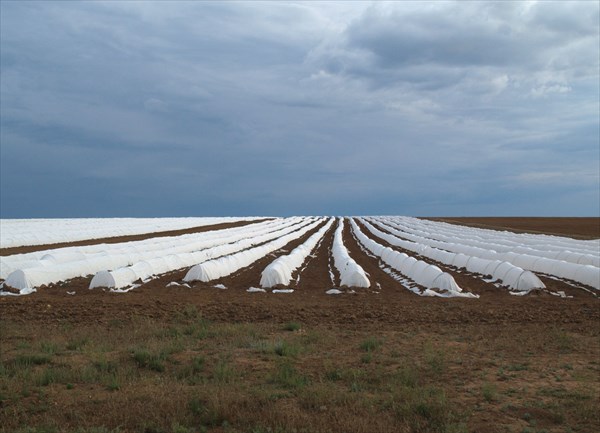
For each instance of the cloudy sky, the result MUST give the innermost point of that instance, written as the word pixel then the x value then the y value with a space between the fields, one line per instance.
pixel 200 108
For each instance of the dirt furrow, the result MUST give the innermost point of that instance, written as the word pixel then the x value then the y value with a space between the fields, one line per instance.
pixel 380 280
pixel 315 276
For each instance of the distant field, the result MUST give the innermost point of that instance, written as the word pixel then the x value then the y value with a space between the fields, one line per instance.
pixel 207 356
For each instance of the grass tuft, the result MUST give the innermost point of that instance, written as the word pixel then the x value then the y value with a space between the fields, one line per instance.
pixel 370 344
pixel 24 361
pixel 490 394
pixel 287 376
pixel 144 359
pixel 292 326
pixel 113 384
pixel 224 372
pixel 435 359
pixel 76 344
pixel 284 348
pixel 424 409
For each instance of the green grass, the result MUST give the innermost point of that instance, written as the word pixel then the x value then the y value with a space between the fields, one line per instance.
pixel 197 364
pixel 76 344
pixel 191 371
pixel 518 367
pixel 104 366
pixel 179 428
pixel 424 410
pixel 407 376
pixel 292 326
pixel 113 384
pixel 51 375
pixel 189 312
pixel 435 359
pixel 370 344
pixel 285 348
pixel 489 392
pixel 205 413
pixel 333 375
pixel 563 341
pixel 152 361
pixel 287 376
pixel 224 372
pixel 22 361
pixel 49 347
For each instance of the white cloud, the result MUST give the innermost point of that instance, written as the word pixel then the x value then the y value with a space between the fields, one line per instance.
pixel 550 88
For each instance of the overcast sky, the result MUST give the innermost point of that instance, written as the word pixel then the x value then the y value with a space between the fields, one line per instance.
pixel 199 108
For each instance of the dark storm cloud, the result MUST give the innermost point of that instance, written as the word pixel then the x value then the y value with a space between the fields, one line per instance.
pixel 132 108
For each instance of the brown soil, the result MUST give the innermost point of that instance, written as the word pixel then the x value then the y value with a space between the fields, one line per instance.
pixel 578 228
pixel 478 329
pixel 130 238
pixel 308 302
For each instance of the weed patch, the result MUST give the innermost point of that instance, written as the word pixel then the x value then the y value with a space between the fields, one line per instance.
pixel 287 376
pixel 370 344
pixel 145 359
pixel 292 326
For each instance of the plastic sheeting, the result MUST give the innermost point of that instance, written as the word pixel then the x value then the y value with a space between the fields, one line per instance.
pixel 221 267
pixel 20 232
pixel 138 250
pixel 46 271
pixel 422 273
pixel 39 276
pixel 351 274
pixel 553 247
pixel 170 262
pixel 518 279
pixel 279 271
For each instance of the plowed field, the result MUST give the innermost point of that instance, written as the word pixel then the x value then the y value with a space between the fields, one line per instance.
pixel 380 359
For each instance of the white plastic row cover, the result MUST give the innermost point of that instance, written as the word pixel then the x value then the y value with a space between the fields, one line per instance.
pixel 499 239
pixel 422 273
pixel 351 274
pixel 279 271
pixel 585 274
pixel 218 268
pixel 20 232
pixel 414 230
pixel 48 272
pixel 512 276
pixel 142 250
pixel 144 269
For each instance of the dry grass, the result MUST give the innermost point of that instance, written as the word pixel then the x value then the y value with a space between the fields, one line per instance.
pixel 190 375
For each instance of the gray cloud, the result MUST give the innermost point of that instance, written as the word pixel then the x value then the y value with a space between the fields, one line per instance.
pixel 524 36
pixel 287 108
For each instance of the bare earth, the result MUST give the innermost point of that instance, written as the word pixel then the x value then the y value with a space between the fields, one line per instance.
pixel 500 363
